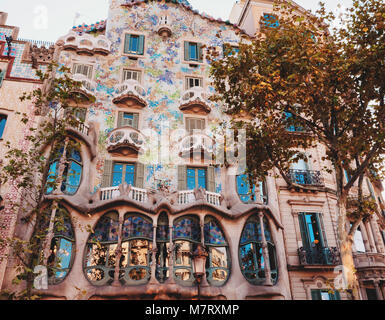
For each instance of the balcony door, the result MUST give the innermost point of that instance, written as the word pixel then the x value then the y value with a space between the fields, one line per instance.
pixel 196 178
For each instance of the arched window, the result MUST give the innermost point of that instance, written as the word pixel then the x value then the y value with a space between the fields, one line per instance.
pixel 246 193
pixel 163 245
pixel 101 250
pixel 137 236
pixel 72 173
pixel 218 260
pixel 187 234
pixel 252 257
pixel 62 247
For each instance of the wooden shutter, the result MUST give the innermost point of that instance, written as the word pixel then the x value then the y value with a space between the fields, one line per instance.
pixel 182 177
pixel 316 294
pixel 335 295
pixel 141 45
pixel 139 175
pixel 120 119
pixel 127 43
pixel 2 76
pixel 186 51
pixel 211 179
pixel 135 121
pixel 200 52
pixel 321 229
pixel 303 228
pixel 107 174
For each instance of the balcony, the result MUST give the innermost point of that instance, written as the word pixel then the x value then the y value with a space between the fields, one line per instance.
pixel 191 196
pixel 87 88
pixel 306 177
pixel 369 260
pixel 319 256
pixel 125 141
pixel 198 142
pixel 130 93
pixel 86 44
pixel 133 193
pixel 195 101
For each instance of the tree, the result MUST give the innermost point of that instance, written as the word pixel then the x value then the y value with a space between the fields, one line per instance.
pixel 328 86
pixel 32 174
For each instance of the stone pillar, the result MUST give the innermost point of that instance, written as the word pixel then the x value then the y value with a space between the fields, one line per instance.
pixel 153 257
pixel 265 252
pixel 202 225
pixel 118 251
pixel 365 237
pixel 378 242
pixel 370 237
pixel 378 290
pixel 170 279
pixel 50 234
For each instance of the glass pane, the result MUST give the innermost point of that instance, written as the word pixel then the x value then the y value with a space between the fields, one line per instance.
pixel 359 241
pixel 313 229
pixel 219 275
pixel 183 274
pixel 162 261
pixel 72 180
pixel 138 274
pixel 106 229
pixel 64 254
pixel 139 252
pixel 193 50
pixel 96 255
pixel 162 233
pixel 95 274
pixel 188 228
pixel 202 178
pixel 130 174
pixel 325 295
pixel 117 175
pixel 251 232
pixel 213 234
pixel 182 253
pixel 243 187
pixel 191 184
pixel 218 257
pixel 134 43
pixel 137 227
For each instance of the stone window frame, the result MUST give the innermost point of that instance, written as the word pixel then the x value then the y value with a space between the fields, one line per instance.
pixel 82 62
pixel 139 70
pixel 316 283
pixel 201 78
pixel 182 48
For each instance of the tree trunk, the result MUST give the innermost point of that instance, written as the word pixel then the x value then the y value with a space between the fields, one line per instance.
pixel 345 242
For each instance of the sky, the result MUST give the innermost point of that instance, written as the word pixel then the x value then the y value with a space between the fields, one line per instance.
pixel 50 19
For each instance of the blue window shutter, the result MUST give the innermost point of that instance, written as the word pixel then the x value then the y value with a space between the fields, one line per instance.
pixel 187 51
pixel 304 233
pixel 127 43
pixel 200 52
pixel 321 230
pixel 141 45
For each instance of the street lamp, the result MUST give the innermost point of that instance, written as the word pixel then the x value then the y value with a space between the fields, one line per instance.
pixel 199 264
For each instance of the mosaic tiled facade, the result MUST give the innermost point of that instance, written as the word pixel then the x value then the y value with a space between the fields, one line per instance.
pixel 146 67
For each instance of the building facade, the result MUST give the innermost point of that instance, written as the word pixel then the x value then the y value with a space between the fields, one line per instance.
pixel 150 198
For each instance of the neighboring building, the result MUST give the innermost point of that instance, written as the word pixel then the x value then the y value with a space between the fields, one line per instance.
pixel 147 69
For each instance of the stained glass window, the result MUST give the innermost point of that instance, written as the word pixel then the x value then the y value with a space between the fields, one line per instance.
pixel 187 228
pixel 218 260
pixel 61 249
pixel 137 227
pixel 251 253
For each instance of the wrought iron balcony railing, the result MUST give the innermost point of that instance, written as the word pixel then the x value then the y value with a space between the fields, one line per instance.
pixel 306 177
pixel 319 256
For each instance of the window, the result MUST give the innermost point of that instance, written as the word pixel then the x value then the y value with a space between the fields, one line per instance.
pixel 103 256
pixel 186 236
pixel 163 246
pixel 134 263
pixel 85 70
pixel 102 250
pixel 371 294
pixel 192 82
pixel 62 247
pixel 116 173
pixel 127 119
pixel 193 51
pixel 134 44
pixel 72 173
pixel 318 294
pixel 234 50
pixel 123 173
pixel 218 260
pixel 196 178
pixel 195 124
pixel 252 258
pixel 3 121
pixel 359 241
pixel 132 75
pixel 269 21
pixel 290 126
pixel 246 194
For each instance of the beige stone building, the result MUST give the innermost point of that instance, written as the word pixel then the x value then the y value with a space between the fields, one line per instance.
pixel 151 201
